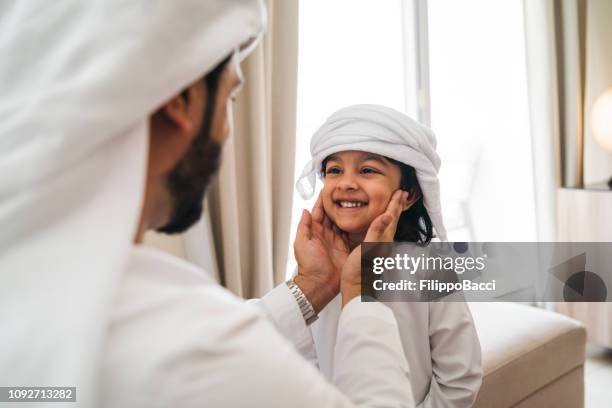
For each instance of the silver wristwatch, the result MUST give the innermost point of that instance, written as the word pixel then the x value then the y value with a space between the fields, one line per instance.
pixel 308 312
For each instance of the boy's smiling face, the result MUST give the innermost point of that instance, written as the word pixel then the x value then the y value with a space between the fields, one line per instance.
pixel 357 188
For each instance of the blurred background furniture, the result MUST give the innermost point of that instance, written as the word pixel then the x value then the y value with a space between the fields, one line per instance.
pixel 531 357
pixel 585 214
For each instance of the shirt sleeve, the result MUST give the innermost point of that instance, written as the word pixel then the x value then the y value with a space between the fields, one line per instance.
pixel 281 308
pixel 367 333
pixel 370 367
pixel 175 342
pixel 235 358
pixel 456 357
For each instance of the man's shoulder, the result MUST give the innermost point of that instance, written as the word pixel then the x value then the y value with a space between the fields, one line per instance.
pixel 164 284
pixel 177 335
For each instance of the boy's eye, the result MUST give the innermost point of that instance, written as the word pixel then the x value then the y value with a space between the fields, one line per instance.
pixel 369 170
pixel 332 170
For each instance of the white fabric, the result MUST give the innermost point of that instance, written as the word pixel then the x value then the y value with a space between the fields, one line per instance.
pixel 178 339
pixel 79 306
pixel 439 341
pixel 78 81
pixel 279 306
pixel 385 131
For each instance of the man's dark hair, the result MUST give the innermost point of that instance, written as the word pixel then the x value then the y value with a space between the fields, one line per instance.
pixel 211 80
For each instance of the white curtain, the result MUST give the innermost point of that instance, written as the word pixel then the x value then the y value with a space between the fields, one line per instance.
pixel 544 114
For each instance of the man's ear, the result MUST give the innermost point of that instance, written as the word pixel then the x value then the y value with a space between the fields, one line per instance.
pixel 177 112
pixel 412 198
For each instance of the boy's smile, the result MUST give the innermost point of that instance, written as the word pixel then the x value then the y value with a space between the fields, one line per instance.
pixel 357 188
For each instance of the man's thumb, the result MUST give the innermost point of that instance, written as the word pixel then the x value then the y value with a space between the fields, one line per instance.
pixel 378 227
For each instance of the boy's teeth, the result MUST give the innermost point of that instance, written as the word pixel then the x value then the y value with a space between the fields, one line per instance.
pixel 348 204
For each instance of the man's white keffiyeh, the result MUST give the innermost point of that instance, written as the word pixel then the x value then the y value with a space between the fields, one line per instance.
pixel 385 131
pixel 78 82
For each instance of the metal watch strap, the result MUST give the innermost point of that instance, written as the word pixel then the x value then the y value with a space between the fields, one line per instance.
pixel 308 312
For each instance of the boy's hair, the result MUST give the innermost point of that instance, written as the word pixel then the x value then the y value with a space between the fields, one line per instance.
pixel 414 224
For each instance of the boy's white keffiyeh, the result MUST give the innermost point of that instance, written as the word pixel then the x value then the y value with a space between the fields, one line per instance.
pixel 385 131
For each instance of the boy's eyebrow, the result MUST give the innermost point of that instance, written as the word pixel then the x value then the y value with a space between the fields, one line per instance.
pixel 333 157
pixel 376 158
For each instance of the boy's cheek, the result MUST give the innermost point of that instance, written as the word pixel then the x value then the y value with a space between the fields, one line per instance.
pixel 328 208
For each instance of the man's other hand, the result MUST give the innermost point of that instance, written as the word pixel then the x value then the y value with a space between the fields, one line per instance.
pixel 321 250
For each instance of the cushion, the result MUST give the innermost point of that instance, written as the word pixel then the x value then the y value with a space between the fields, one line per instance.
pixel 523 350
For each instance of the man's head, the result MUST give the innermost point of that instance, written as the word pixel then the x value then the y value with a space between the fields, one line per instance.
pixel 186 137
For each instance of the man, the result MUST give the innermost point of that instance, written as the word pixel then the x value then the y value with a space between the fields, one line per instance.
pixel 109 130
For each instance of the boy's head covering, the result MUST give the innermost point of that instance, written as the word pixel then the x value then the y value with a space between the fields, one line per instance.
pixel 384 131
pixel 78 83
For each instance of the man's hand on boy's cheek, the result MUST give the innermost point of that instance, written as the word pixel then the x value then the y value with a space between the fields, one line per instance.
pixel 384 226
pixel 337 243
pixel 319 254
pixel 382 229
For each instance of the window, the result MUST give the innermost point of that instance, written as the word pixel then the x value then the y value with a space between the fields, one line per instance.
pixel 479 112
pixel 470 70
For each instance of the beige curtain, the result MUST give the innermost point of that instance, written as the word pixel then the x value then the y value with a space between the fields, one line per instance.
pixel 250 203
pixel 570 36
pixel 583 35
pixel 569 65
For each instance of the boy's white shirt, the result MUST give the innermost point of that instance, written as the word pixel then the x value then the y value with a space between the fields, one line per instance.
pixel 439 341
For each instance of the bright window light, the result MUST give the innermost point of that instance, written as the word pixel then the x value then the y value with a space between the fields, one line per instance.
pixel 352 51
pixel 479 112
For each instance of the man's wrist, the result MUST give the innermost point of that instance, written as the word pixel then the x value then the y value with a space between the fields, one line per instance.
pixel 319 295
pixel 306 308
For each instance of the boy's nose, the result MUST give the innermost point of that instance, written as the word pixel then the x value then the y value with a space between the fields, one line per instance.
pixel 347 182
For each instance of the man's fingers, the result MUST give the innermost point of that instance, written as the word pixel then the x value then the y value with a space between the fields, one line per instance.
pixel 328 233
pixel 383 227
pixel 340 240
pixel 327 224
pixel 317 210
pixel 303 228
pixel 394 209
pixel 345 238
pixel 396 203
pixel 376 232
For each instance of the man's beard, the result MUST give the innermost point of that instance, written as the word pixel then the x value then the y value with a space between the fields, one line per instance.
pixel 189 180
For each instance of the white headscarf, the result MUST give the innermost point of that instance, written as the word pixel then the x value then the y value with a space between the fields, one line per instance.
pixel 384 131
pixel 78 82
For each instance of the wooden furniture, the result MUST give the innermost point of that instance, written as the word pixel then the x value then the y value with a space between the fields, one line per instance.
pixel 586 215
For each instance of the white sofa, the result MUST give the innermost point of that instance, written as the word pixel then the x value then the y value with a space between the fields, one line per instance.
pixel 531 357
